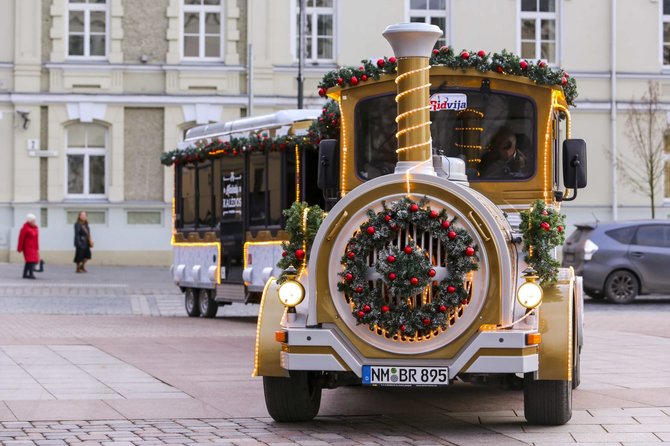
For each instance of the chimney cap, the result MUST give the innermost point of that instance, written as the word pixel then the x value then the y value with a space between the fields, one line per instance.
pixel 412 39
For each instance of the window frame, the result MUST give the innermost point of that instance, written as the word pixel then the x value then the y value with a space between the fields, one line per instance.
pixel 428 14
pixel 87 152
pixel 663 18
pixel 202 10
pixel 86 8
pixel 315 10
pixel 666 168
pixel 538 16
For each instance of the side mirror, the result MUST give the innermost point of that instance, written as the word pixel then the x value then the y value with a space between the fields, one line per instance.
pixel 329 165
pixel 574 165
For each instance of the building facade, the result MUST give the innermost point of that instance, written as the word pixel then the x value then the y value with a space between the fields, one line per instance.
pixel 93 91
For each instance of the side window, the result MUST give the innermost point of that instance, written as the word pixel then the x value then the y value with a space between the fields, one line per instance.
pixel 186 209
pixel 653 235
pixel 87 28
pixel 256 188
pixel 202 29
pixel 538 30
pixel 274 190
pixel 430 11
pixel 205 211
pixel 622 235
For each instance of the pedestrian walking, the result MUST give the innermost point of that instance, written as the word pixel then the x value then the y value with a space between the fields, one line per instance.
pixel 83 242
pixel 29 245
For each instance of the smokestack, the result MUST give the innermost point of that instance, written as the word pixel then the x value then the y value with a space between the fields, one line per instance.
pixel 412 44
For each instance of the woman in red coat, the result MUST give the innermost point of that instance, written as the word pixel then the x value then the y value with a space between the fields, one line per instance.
pixel 29 245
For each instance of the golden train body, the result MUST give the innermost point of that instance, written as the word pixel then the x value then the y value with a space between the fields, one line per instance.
pixel 444 207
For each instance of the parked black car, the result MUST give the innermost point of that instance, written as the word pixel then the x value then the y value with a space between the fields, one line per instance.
pixel 622 259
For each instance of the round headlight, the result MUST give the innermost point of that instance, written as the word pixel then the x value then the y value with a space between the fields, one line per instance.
pixel 291 293
pixel 529 295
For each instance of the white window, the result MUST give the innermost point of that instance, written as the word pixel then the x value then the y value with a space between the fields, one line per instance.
pixel 538 30
pixel 85 153
pixel 430 11
pixel 319 30
pixel 666 32
pixel 87 28
pixel 202 29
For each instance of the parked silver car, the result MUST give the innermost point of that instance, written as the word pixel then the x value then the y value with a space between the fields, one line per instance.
pixel 619 260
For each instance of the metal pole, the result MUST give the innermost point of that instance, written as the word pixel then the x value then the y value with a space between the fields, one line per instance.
pixel 301 51
pixel 250 79
pixel 613 115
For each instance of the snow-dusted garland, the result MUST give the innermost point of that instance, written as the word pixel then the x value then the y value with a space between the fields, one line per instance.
pixel 406 271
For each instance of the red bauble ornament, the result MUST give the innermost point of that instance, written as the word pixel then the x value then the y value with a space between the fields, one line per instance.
pixel 387 218
pixel 564 81
pixel 481 53
pixel 433 214
pixel 322 92
pixel 364 77
pixel 392 59
pixel 445 224
pixel 371 230
pixel 545 213
pixel 542 64
pixel 443 309
pixel 546 228
pixel 385 308
pixel 426 322
pixel 349 277
pixel 559 228
pixel 414 207
pixel 565 74
pixel 359 289
pixel 436 52
pixel 392 276
pixel 408 250
pixel 432 273
pixel 451 289
pixel 414 281
pixel 544 225
pixel 361 314
pixel 390 259
pixel 380 63
pixel 300 254
pixel 340 81
pixel 464 302
pixel 402 328
pixel 469 251
pixel 284 253
pixel 367 308
pixel 465 55
pixel 353 80
pixel 523 64
pixel 394 227
pixel 499 69
pixel 452 235
pixel 351 255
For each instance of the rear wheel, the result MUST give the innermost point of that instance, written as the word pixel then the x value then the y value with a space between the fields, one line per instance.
pixel 191 302
pixel 296 398
pixel 547 402
pixel 594 294
pixel 208 306
pixel 621 287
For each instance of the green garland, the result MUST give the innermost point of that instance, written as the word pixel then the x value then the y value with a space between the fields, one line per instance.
pixel 504 63
pixel 377 233
pixel 327 126
pixel 543 230
pixel 301 232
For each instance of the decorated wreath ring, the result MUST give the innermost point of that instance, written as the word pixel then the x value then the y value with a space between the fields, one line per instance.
pixel 406 271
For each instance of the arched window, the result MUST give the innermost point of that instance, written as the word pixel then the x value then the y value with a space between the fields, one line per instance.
pixel 86 148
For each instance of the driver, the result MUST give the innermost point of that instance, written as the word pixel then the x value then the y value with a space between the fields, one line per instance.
pixel 503 159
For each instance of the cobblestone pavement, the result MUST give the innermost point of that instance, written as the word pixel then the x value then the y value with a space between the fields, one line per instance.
pixel 109 358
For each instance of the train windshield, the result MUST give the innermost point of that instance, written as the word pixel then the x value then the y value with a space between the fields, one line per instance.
pixel 494 133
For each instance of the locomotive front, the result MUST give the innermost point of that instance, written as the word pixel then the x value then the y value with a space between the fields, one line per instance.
pixel 414 280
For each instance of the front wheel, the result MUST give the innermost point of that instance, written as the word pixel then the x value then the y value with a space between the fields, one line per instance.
pixel 621 287
pixel 208 306
pixel 547 402
pixel 296 398
pixel 191 302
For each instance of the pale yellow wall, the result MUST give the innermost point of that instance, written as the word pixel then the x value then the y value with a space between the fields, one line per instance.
pixel 476 24
pixel 638 36
pixel 7 153
pixel 586 36
pixel 7 31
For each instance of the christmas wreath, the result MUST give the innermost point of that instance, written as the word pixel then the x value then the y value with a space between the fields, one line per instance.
pixel 542 230
pixel 504 63
pixel 302 224
pixel 419 292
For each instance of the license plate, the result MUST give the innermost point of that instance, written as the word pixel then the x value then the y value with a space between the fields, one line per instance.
pixel 405 376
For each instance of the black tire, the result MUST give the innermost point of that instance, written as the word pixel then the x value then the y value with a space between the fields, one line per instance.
pixel 594 294
pixel 296 398
pixel 208 306
pixel 621 287
pixel 191 302
pixel 545 402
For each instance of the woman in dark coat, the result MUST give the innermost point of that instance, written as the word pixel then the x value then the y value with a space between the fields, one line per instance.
pixel 82 242
pixel 29 245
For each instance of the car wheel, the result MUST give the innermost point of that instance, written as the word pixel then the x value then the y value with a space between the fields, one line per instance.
pixel 191 302
pixel 208 306
pixel 621 287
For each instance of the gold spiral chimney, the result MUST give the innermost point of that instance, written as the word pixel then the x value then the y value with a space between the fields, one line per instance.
pixel 412 44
